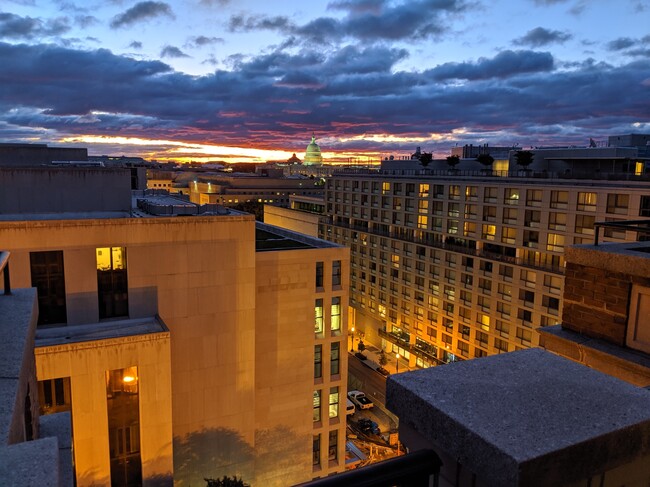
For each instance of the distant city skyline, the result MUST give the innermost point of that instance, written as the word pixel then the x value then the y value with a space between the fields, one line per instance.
pixel 249 81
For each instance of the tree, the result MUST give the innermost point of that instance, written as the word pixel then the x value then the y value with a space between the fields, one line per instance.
pixel 426 158
pixel 383 360
pixel 485 159
pixel 452 161
pixel 226 482
pixel 524 158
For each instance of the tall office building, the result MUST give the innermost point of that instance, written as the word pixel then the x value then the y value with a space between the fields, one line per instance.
pixel 184 343
pixel 449 265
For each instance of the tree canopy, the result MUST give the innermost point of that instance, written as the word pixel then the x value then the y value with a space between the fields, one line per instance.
pixel 524 158
pixel 485 159
pixel 452 161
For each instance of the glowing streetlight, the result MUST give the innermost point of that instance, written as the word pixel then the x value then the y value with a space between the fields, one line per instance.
pixel 397 363
pixel 352 345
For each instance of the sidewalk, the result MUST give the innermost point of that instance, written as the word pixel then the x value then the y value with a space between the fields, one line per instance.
pixel 373 352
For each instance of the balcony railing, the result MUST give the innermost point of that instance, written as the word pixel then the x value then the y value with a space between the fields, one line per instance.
pixel 639 226
pixel 431 242
pixel 418 351
pixel 418 469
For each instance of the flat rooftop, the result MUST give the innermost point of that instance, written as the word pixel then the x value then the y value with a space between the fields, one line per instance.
pixel 269 237
pixel 62 335
pixel 525 418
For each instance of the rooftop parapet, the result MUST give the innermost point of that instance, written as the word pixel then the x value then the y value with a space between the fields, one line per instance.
pixel 526 418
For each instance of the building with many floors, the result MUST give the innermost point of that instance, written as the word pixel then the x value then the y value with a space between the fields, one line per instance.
pixel 449 265
pixel 182 343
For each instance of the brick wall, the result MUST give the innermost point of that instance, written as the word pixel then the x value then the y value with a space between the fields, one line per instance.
pixel 596 301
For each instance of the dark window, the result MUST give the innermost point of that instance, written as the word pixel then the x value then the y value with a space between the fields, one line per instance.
pixel 334 358
pixel 644 209
pixel 319 274
pixel 336 273
pixel 318 361
pixel 316 450
pixel 48 278
pixel 333 445
pixel 112 284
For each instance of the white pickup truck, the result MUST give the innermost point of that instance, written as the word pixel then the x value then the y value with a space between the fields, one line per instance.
pixel 360 400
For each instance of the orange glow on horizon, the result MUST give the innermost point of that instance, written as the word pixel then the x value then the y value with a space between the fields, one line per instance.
pixel 185 152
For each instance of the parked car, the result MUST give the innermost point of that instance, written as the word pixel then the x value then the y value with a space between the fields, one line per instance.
pixel 350 409
pixel 360 400
pixel 368 426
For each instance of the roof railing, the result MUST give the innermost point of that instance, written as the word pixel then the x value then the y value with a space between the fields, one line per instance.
pixel 4 268
pixel 639 226
pixel 418 469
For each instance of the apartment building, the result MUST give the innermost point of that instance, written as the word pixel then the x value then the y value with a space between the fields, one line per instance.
pixel 447 267
pixel 183 346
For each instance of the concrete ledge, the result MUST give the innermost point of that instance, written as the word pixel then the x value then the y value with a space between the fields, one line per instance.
pixel 631 257
pixel 526 418
pixel 59 425
pixel 30 464
pixel 621 362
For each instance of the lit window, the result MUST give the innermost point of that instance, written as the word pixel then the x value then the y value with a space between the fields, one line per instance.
pixel 318 307
pixel 587 201
pixel 617 203
pixel 555 242
pixel 489 232
pixel 316 405
pixel 334 402
pixel 336 314
pixel 559 199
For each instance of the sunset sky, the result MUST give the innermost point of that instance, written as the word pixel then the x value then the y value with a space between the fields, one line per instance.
pixel 247 80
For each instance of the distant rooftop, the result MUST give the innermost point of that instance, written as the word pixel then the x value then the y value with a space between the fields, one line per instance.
pixel 269 237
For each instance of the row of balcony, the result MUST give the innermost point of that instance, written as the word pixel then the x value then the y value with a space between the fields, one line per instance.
pixel 427 239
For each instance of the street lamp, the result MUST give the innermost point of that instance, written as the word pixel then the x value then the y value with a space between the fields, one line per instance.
pixel 397 363
pixel 352 345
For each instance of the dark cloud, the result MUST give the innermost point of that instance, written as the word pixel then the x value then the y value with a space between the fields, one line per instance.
pixel 551 2
pixel 243 23
pixel 136 45
pixel 276 99
pixel 142 11
pixel 173 52
pixel 540 36
pixel 211 3
pixel 366 20
pixel 503 65
pixel 16 27
pixel 85 21
pixel 620 44
pixel 631 47
pixel 201 41
pixel 359 6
